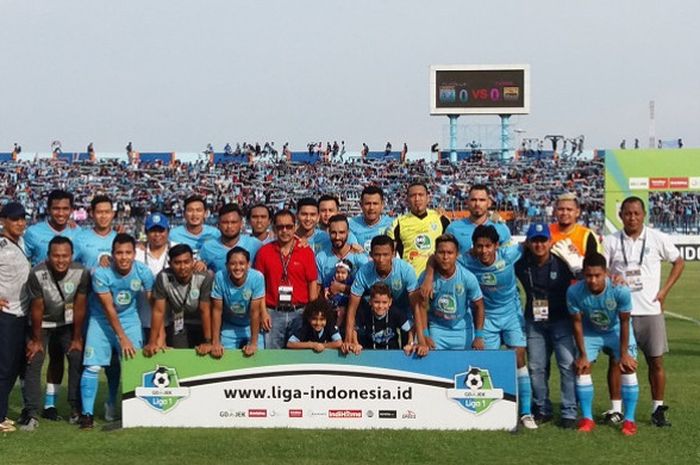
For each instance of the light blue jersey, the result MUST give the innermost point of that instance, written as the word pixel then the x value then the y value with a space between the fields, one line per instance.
pixel 326 261
pixel 213 252
pixel 237 299
pixel 463 230
pixel 449 306
pixel 125 290
pixel 320 240
pixel 364 233
pixel 599 313
pixel 38 236
pixel 90 247
pixel 401 280
pixel 180 235
pixel 498 282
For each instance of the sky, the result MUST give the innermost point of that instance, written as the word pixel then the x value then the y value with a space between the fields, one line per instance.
pixel 174 75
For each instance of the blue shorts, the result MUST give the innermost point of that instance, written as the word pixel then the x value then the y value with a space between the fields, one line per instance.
pixel 235 337
pixel 506 330
pixel 608 342
pixel 446 338
pixel 101 340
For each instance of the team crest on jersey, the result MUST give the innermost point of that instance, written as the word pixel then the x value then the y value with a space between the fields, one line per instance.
pixel 368 245
pixel 69 287
pixel 423 242
pixel 247 294
pixel 610 304
pixel 123 297
pixel 488 279
pixel 135 285
pixel 474 390
pixel 500 264
pixel 447 304
pixel 160 389
pixel 194 294
pixel 459 289
pixel 433 226
pixel 396 284
pixel 553 275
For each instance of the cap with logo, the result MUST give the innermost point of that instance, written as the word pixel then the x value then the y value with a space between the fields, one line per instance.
pixel 538 230
pixel 156 220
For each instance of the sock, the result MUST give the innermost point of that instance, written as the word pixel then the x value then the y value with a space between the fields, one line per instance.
pixel 655 404
pixel 51 395
pixel 113 373
pixel 524 391
pixel 630 395
pixel 584 392
pixel 88 388
pixel 616 405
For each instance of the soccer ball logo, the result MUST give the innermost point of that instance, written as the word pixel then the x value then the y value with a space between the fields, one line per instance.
pixel 473 380
pixel 161 378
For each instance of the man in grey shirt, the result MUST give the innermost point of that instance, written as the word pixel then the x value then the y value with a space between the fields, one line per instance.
pixel 182 295
pixel 14 303
pixel 58 290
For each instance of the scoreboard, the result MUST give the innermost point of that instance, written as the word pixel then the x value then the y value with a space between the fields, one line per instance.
pixel 479 89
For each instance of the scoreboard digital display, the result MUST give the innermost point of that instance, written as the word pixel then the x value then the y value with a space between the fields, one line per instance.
pixel 480 89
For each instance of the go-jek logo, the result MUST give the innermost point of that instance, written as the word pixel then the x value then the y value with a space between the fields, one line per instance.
pixel 161 389
pixel 474 390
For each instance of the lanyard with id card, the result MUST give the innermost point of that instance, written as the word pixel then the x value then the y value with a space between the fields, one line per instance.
pixel 633 275
pixel 285 289
pixel 540 307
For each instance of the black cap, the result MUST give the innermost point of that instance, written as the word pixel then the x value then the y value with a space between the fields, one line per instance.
pixel 13 211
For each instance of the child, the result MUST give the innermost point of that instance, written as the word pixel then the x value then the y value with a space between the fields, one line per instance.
pixel 381 326
pixel 318 330
pixel 343 275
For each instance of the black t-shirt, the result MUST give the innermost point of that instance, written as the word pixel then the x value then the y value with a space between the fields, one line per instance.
pixel 307 334
pixel 549 281
pixel 388 332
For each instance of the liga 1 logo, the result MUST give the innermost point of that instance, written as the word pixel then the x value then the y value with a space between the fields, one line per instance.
pixel 160 389
pixel 474 390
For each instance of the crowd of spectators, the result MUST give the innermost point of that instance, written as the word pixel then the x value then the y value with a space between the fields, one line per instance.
pixel 675 212
pixel 525 189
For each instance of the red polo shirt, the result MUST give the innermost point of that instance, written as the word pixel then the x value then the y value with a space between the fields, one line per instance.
pixel 300 272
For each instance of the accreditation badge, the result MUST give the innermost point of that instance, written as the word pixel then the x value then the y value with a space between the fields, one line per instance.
pixel 540 309
pixel 633 278
pixel 285 294
pixel 68 313
pixel 178 322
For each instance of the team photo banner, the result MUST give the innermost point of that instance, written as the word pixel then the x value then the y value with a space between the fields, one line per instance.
pixel 302 389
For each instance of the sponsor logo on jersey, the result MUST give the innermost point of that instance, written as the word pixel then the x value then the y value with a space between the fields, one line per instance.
pixel 488 279
pixel 447 304
pixel 123 297
pixel 423 242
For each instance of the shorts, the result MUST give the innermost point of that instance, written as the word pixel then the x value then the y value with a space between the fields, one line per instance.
pixel 235 337
pixel 608 343
pixel 506 330
pixel 650 333
pixel 451 338
pixel 101 340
